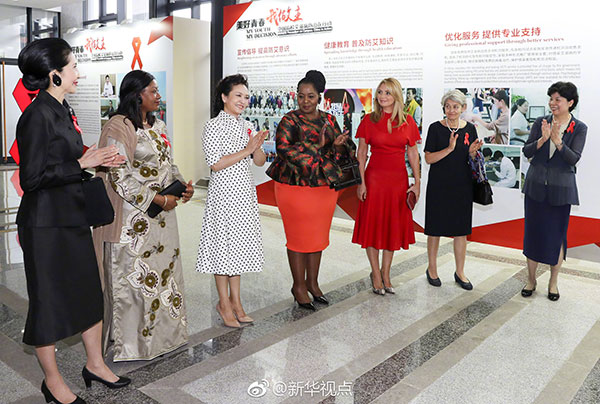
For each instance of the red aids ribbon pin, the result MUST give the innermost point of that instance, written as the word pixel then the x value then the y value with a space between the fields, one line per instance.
pixel 466 138
pixel 165 139
pixel 75 124
pixel 570 128
pixel 136 43
pixel 249 132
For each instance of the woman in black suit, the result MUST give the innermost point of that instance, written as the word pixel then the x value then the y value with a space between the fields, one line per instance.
pixel 63 283
pixel 554 146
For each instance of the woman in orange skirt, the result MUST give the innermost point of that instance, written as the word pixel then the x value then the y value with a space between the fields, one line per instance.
pixel 309 142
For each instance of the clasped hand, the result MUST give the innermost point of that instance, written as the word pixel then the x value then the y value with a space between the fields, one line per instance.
pixel 188 193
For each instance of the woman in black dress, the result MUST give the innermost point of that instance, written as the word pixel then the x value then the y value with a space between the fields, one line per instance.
pixel 63 283
pixel 449 198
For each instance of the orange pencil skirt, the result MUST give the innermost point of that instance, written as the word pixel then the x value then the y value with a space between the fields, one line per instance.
pixel 306 213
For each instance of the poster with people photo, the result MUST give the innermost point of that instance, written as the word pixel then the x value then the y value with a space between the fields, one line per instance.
pixel 107 108
pixel 489 110
pixel 502 164
pixel 108 85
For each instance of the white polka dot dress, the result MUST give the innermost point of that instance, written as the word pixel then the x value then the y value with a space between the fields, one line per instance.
pixel 231 239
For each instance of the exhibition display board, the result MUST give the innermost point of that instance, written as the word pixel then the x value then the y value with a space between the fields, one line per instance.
pixel 163 48
pixel 520 49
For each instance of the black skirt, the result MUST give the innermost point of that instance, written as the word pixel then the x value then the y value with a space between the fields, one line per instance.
pixel 545 231
pixel 63 283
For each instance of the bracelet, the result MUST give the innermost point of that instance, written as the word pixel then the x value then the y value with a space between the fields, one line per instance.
pixel 165 202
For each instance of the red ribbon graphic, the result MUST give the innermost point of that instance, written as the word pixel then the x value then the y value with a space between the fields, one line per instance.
pixel 249 132
pixel 137 44
pixel 466 138
pixel 570 128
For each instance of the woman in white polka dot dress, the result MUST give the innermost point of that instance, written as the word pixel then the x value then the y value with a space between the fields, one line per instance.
pixel 231 240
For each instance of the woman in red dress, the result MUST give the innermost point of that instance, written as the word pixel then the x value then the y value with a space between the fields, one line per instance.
pixel 384 220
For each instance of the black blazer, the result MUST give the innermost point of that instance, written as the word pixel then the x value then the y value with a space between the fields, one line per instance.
pixel 49 172
pixel 554 179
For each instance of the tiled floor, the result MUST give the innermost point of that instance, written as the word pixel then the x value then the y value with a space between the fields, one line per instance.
pixel 421 345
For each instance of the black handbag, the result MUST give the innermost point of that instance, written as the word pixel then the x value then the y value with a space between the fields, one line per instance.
pixel 177 188
pixel 350 174
pixel 482 193
pixel 98 209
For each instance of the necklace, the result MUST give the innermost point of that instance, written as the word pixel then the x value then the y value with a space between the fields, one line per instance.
pixel 452 131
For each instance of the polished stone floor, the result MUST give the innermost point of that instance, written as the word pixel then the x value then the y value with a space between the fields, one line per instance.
pixel 421 345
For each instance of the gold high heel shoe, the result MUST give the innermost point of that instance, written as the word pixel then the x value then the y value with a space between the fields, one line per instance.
pixel 228 324
pixel 389 290
pixel 380 292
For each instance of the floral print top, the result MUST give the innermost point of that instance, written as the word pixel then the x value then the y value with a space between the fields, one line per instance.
pixel 300 160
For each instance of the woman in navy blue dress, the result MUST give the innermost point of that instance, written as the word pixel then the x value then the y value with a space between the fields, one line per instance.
pixel 554 146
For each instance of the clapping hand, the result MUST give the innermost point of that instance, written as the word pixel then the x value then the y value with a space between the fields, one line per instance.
pixel 106 156
pixel 452 143
pixel 546 130
pixel 340 140
pixel 555 134
pixel 255 142
pixel 475 146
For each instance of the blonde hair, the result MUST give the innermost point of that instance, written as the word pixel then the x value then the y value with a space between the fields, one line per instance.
pixel 398 114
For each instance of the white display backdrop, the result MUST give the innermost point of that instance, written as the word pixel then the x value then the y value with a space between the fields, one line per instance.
pixel 522 47
pixel 113 52
pixel 176 51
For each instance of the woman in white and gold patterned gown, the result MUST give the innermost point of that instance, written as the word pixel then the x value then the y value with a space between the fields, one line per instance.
pixel 143 280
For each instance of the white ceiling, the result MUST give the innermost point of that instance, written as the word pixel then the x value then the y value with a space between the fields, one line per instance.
pixel 43 4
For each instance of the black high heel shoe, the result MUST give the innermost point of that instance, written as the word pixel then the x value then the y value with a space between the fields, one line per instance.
pixel 528 292
pixel 89 376
pixel 319 299
pixel 307 306
pixel 433 282
pixel 50 398
pixel 553 296
pixel 465 285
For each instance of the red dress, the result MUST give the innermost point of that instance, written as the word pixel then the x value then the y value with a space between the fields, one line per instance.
pixel 384 220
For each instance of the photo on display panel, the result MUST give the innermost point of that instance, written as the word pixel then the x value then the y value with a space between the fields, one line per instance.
pixel 489 110
pixel 265 108
pixel 108 85
pixel 413 106
pixel 349 106
pixel 107 108
pixel 502 165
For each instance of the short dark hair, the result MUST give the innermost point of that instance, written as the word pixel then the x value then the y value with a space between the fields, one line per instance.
pixel 498 155
pixel 224 87
pixel 412 90
pixel 517 104
pixel 567 90
pixel 315 78
pixel 487 152
pixel 501 95
pixel 130 104
pixel 39 58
